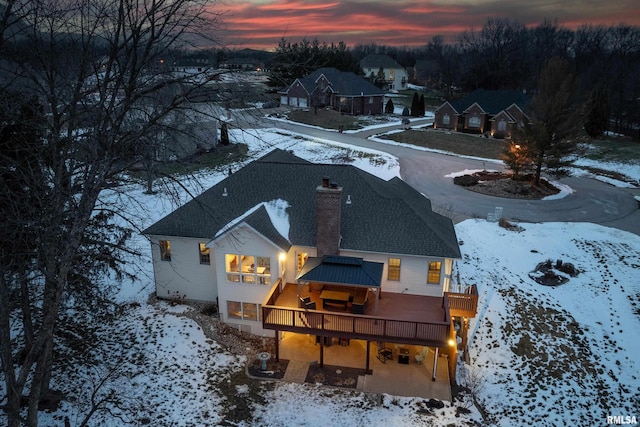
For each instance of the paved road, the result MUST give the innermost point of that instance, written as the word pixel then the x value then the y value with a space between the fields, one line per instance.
pixel 592 200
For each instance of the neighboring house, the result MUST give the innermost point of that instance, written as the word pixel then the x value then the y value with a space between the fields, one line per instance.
pixel 427 72
pixel 340 90
pixel 385 68
pixel 191 70
pixel 282 228
pixel 242 64
pixel 484 111
pixel 182 140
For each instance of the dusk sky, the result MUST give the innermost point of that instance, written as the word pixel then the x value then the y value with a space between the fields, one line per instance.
pixel 261 23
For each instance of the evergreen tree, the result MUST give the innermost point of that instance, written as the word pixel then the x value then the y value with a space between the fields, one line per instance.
pixel 598 112
pixel 389 107
pixel 422 105
pixel 415 105
pixel 224 134
pixel 553 114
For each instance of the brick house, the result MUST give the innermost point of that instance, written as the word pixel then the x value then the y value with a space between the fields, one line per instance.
pixel 484 111
pixel 329 87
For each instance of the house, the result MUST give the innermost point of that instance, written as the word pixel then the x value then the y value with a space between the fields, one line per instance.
pixel 282 243
pixel 340 90
pixel 484 111
pixel 385 69
pixel 427 72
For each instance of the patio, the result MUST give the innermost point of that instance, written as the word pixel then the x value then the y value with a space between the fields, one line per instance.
pixel 392 377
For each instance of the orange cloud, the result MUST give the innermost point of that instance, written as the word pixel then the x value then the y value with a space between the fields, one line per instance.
pixel 262 23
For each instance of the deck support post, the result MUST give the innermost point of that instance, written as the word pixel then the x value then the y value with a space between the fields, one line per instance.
pixel 277 345
pixel 322 351
pixel 435 364
pixel 452 354
pixel 375 308
pixel 367 366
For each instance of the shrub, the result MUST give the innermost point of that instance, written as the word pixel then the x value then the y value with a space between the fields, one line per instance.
pixel 465 180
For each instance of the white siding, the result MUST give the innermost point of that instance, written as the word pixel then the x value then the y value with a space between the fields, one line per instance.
pixel 413 273
pixel 183 276
pixel 244 241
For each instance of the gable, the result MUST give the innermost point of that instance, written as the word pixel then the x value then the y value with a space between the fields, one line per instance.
pixel 492 101
pixel 342 83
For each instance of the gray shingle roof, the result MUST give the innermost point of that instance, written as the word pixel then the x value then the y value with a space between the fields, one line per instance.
pixel 342 82
pixel 377 61
pixel 342 270
pixel 492 101
pixel 384 216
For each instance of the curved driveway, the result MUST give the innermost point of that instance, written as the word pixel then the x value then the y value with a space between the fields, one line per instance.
pixel 592 200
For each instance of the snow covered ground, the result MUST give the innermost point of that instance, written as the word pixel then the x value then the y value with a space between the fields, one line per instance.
pixel 540 355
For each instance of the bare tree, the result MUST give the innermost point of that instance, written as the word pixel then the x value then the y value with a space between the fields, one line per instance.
pixel 92 68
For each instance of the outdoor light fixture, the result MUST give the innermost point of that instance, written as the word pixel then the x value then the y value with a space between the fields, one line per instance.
pixel 282 256
pixel 452 343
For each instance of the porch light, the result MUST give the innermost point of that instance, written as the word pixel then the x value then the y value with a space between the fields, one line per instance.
pixel 452 343
pixel 282 256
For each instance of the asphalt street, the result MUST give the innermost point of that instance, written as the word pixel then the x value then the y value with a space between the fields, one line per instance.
pixel 591 201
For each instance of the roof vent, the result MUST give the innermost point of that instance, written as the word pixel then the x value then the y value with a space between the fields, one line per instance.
pixel 224 192
pixel 348 199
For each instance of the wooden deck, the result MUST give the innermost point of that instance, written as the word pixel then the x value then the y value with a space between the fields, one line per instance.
pixel 464 305
pixel 407 319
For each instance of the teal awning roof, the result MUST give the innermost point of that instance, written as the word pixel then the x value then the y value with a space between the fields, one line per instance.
pixel 342 270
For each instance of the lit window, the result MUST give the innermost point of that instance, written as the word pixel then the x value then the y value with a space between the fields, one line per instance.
pixel 248 269
pixel 394 269
pixel 302 258
pixel 249 311
pixel 434 272
pixel 205 258
pixel 232 267
pixel 234 309
pixel 165 250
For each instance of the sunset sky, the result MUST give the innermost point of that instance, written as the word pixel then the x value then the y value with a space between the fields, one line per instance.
pixel 261 23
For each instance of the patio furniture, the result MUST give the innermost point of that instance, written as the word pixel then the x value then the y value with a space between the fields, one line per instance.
pixel 304 301
pixel 403 356
pixel 420 356
pixel 307 303
pixel 359 301
pixel 334 298
pixel 384 353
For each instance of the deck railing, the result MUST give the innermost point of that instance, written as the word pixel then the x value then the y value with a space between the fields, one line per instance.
pixel 347 325
pixel 465 304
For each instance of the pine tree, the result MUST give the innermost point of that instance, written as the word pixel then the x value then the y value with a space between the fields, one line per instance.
pixel 389 107
pixel 422 105
pixel 224 134
pixel 415 105
pixel 553 113
pixel 598 112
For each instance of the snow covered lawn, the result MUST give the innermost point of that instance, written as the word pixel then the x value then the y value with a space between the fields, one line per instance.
pixel 547 356
pixel 554 355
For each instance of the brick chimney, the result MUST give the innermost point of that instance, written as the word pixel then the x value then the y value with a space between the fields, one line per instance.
pixel 328 197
